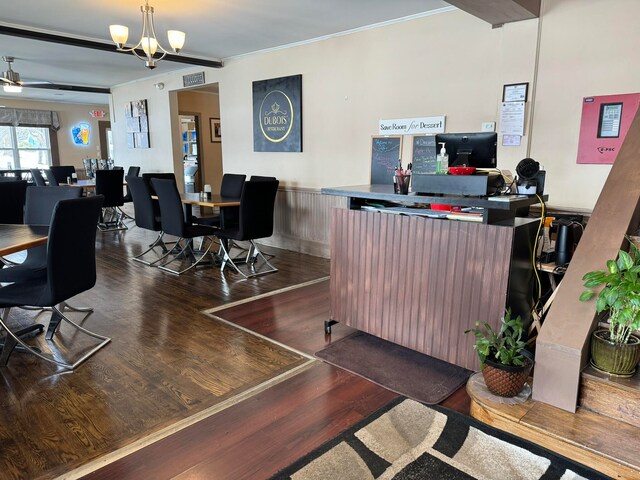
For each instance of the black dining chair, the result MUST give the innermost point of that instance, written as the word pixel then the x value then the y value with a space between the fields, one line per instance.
pixel 12 198
pixel 257 204
pixel 51 178
pixel 131 172
pixel 71 269
pixel 231 187
pixel 109 184
pixel 38 179
pixel 39 205
pixel 147 215
pixel 62 172
pixel 174 223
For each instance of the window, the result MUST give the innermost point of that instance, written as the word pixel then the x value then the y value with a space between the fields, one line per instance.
pixel 24 147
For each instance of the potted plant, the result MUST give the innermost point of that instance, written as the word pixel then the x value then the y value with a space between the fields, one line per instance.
pixel 504 361
pixel 616 350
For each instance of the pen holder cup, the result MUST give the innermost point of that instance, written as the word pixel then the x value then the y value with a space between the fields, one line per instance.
pixel 402 184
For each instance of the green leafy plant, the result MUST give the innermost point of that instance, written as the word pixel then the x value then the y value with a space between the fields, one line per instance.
pixel 506 346
pixel 620 295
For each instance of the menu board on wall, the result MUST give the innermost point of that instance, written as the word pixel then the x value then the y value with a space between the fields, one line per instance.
pixel 386 153
pixel 424 159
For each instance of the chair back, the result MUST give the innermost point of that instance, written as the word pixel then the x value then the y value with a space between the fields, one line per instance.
pixel 171 211
pixel 256 209
pixel 232 184
pixel 148 176
pixel 109 183
pixel 12 198
pixel 131 172
pixel 8 178
pixel 71 248
pixel 146 210
pixel 51 178
pixel 62 172
pixel 258 178
pixel 38 179
pixel 41 201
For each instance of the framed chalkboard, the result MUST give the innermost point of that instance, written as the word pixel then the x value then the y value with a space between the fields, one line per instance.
pixel 386 152
pixel 424 159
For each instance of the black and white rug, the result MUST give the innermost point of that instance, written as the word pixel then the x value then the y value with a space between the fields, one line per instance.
pixel 409 440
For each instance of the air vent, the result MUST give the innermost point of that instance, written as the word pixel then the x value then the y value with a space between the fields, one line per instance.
pixel 193 79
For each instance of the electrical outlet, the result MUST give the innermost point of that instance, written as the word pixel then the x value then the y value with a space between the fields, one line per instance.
pixel 488 126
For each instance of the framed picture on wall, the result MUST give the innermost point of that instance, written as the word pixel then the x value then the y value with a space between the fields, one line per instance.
pixel 216 132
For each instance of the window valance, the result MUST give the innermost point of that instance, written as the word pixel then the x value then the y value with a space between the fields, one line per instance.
pixel 31 118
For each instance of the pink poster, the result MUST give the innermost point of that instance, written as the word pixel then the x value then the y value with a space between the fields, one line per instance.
pixel 605 122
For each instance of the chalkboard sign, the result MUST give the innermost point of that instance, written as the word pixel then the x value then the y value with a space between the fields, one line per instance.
pixel 385 155
pixel 424 154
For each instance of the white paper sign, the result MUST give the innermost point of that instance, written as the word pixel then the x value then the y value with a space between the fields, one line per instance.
pixel 412 126
pixel 512 118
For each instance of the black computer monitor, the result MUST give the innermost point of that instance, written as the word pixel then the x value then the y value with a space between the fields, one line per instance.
pixel 470 149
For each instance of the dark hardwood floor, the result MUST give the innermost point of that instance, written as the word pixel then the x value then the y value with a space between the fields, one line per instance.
pixel 164 356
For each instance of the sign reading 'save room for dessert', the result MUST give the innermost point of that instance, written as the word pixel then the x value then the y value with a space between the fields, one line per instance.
pixel 412 126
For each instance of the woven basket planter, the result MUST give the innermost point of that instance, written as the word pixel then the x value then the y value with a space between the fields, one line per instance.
pixel 505 380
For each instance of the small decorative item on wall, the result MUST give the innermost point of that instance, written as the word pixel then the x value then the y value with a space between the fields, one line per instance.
pixel 137 124
pixel 216 132
pixel 80 134
pixel 277 114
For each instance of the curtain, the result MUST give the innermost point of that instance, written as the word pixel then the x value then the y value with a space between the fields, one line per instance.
pixel 31 118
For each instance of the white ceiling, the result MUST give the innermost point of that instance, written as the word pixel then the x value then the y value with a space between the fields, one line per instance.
pixel 216 29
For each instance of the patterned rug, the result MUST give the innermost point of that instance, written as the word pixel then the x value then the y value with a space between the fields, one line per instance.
pixel 408 440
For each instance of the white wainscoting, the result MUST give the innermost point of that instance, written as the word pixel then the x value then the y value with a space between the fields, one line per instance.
pixel 302 220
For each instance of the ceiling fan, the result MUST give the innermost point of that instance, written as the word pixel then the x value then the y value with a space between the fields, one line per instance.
pixel 10 79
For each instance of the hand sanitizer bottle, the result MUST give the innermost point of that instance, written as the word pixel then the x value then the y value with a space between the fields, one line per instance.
pixel 442 160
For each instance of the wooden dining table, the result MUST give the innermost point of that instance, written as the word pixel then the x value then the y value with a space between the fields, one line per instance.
pixel 15 238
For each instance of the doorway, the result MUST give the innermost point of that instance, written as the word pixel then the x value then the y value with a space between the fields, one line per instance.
pixel 190 136
pixel 106 139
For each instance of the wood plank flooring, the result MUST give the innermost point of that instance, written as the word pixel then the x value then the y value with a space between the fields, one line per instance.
pixel 267 432
pixel 166 362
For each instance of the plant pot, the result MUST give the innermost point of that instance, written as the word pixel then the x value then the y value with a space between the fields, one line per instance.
pixel 506 380
pixel 613 358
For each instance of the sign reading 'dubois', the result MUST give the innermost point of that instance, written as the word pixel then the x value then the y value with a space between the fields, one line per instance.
pixel 277 114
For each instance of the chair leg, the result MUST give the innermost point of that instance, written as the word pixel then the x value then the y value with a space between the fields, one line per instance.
pixel 187 251
pixel 252 256
pixel 16 340
pixel 158 242
pixel 114 223
pixel 125 214
pixel 10 343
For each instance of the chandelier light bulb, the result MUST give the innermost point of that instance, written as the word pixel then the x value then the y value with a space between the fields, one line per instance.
pixel 176 39
pixel 149 45
pixel 119 34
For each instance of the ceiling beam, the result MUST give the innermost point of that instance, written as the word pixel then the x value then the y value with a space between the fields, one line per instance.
pixel 105 47
pixel 499 12
pixel 69 88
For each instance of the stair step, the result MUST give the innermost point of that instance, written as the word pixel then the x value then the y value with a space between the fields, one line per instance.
pixel 600 442
pixel 618 398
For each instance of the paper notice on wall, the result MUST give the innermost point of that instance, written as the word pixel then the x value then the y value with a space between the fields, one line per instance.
pixel 512 118
pixel 511 140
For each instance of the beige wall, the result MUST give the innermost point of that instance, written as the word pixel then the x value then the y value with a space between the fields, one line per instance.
pixel 450 63
pixel 206 105
pixel 69 115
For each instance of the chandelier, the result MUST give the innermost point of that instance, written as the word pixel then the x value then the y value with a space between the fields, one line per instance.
pixel 148 41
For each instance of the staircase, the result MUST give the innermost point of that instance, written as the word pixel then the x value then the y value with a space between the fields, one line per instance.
pixel 603 434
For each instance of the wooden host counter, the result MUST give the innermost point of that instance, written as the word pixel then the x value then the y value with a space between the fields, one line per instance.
pixel 421 282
